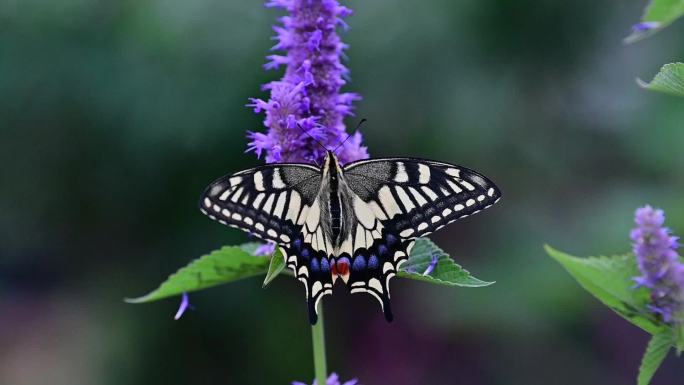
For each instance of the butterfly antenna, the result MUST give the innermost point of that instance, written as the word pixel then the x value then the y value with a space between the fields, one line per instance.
pixel 311 136
pixel 349 135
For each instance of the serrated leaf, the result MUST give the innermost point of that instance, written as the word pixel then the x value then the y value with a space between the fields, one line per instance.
pixel 610 280
pixel 657 15
pixel 656 351
pixel 275 267
pixel 446 271
pixel 230 263
pixel 670 80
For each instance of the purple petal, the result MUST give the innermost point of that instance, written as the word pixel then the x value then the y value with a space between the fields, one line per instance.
pixel 431 267
pixel 185 303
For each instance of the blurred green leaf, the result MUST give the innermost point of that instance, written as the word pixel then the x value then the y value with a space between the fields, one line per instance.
pixel 446 271
pixel 609 279
pixel 275 267
pixel 669 80
pixel 656 351
pixel 657 15
pixel 230 263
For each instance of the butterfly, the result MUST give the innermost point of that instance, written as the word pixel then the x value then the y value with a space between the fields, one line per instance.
pixel 356 222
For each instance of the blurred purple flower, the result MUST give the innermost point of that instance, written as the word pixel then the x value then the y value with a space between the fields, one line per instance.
pixel 645 26
pixel 661 270
pixel 334 379
pixel 431 266
pixel 184 305
pixel 308 95
pixel 265 249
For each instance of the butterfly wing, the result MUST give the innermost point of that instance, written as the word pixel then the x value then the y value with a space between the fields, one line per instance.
pixel 267 201
pixel 278 203
pixel 399 200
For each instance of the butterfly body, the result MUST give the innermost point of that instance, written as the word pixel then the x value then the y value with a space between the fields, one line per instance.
pixel 356 222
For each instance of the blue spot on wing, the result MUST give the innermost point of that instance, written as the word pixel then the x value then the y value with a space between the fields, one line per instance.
pixel 373 262
pixel 359 263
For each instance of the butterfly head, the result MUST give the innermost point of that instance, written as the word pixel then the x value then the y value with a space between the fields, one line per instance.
pixel 331 165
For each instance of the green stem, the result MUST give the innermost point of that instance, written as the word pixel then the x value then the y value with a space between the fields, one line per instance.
pixel 318 338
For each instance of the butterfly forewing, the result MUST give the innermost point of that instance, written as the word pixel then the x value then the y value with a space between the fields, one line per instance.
pixel 267 201
pixel 415 197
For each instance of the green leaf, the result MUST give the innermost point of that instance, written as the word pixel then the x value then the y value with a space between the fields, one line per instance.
pixel 610 280
pixel 656 351
pixel 275 267
pixel 669 80
pixel 230 263
pixel 660 13
pixel 446 271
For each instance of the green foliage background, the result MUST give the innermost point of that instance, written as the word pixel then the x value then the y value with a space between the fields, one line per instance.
pixel 114 115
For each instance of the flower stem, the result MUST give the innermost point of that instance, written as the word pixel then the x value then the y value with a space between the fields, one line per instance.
pixel 318 338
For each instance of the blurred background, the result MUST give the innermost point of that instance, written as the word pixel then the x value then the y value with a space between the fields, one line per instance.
pixel 115 115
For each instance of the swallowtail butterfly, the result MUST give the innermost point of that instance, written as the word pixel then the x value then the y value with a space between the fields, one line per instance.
pixel 356 222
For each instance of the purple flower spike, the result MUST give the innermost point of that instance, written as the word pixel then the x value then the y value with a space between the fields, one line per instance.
pixel 661 271
pixel 185 303
pixel 431 266
pixel 308 95
pixel 334 379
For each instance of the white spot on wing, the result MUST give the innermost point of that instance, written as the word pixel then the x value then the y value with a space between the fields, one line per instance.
pixel 360 238
pixel 207 202
pixel 387 267
pixel 387 201
pixel 453 172
pixel 259 181
pixel 405 200
pixel 313 216
pixel 454 186
pixel 401 176
pixel 459 207
pixel 446 212
pixel 257 200
pixel 363 213
pixel 467 185
pixel 377 211
pixel 316 287
pixel 422 226
pixel 423 174
pixel 280 205
pixel 490 192
pixel 269 203
pixel 225 194
pixel 277 180
pixel 235 180
pixel 470 202
pixel 236 195
pixel 428 191
pixel 419 197
pixel 375 284
pixel 435 219
pixel 293 207
pixel 406 233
